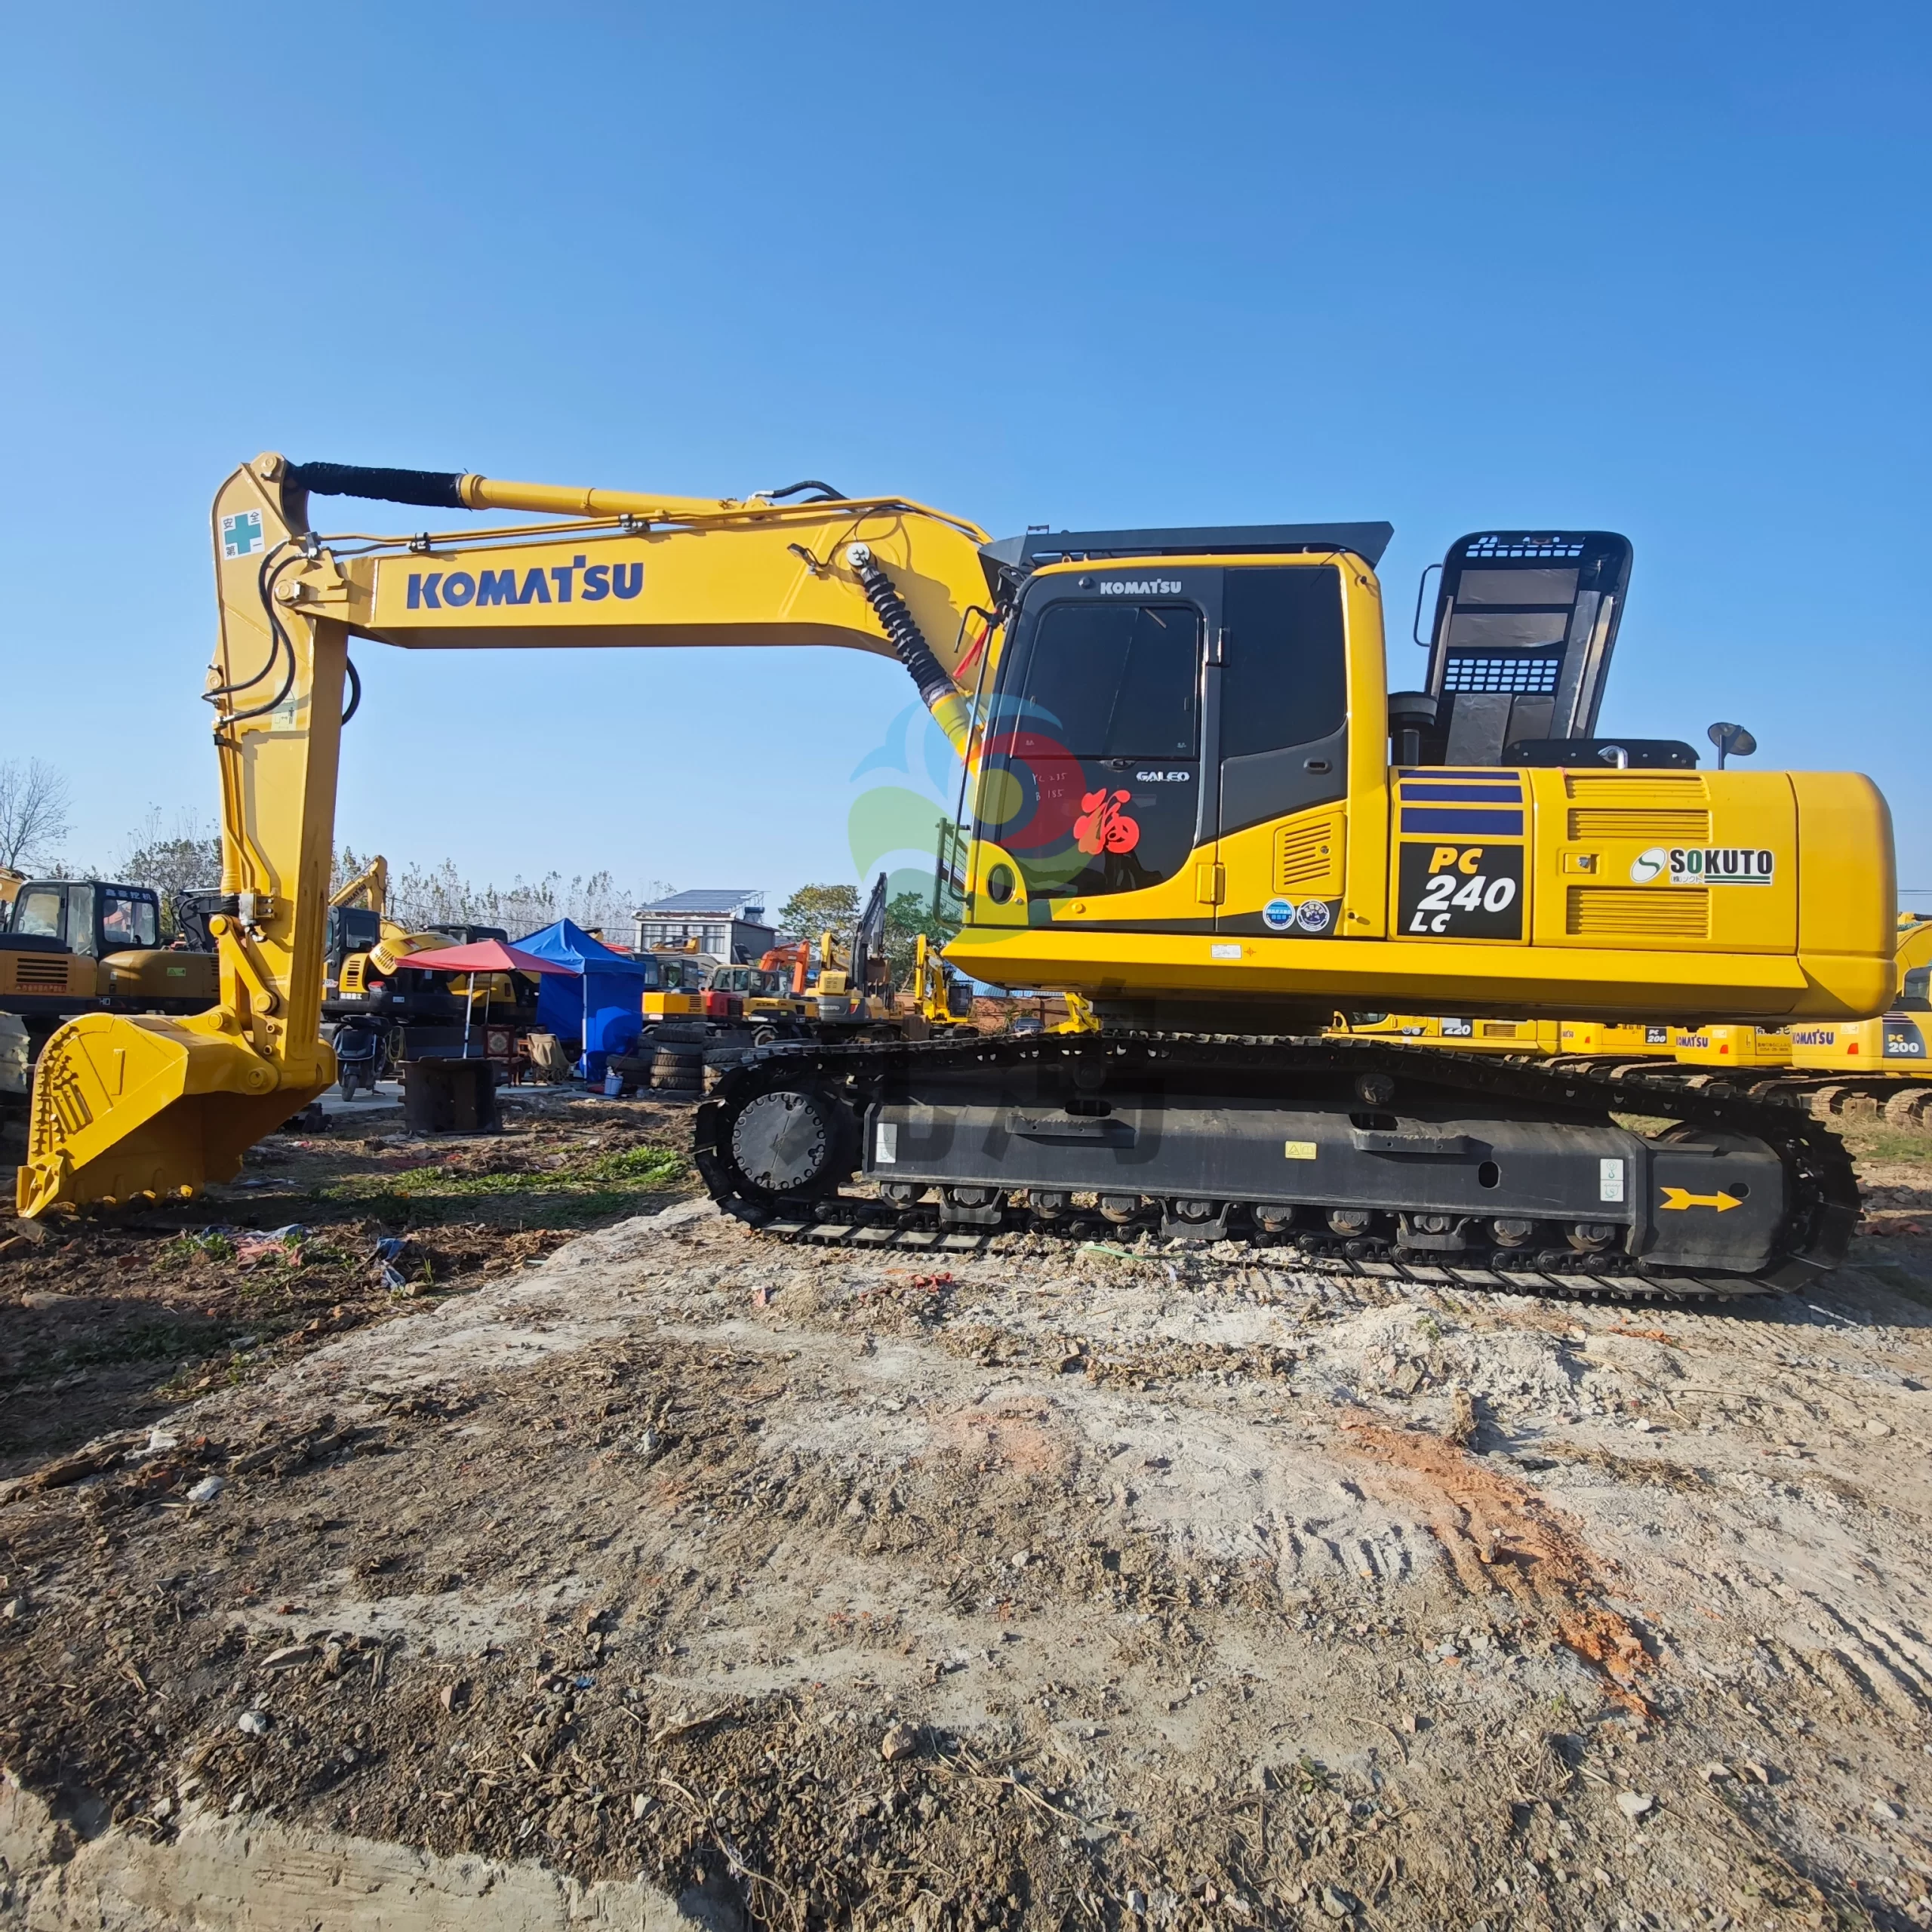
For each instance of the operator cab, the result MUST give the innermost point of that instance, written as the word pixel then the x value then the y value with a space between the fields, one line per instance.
pixel 87 916
pixel 351 929
pixel 1163 689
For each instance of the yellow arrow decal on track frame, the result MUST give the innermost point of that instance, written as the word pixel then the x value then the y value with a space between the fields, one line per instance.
pixel 1679 1197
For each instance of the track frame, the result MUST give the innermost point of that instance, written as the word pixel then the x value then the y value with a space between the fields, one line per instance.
pixel 1822 1204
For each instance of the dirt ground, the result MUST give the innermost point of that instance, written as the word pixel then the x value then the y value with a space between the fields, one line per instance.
pixel 109 1324
pixel 1048 1586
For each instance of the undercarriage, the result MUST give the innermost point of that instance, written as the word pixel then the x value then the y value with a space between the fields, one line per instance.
pixel 1378 1155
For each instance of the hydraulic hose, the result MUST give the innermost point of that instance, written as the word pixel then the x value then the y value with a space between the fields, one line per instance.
pixel 937 692
pixel 431 489
pixel 908 640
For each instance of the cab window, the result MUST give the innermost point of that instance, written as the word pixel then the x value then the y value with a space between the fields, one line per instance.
pixel 1285 682
pixel 1091 776
pixel 37 915
pixel 1116 680
pixel 127 920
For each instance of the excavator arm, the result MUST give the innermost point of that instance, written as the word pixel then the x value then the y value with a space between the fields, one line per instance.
pixel 370 885
pixel 128 1106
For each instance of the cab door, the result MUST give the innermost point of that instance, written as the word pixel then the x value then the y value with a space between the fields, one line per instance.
pixel 1280 672
pixel 1091 796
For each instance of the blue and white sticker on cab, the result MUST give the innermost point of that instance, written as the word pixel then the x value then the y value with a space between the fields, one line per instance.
pixel 1311 915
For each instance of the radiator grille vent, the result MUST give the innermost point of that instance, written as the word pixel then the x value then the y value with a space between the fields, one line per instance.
pixel 1306 855
pixel 1637 791
pixel 1616 912
pixel 36 975
pixel 1660 824
pixel 1500 1030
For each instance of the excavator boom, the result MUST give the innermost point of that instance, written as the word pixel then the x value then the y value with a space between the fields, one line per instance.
pixel 162 1106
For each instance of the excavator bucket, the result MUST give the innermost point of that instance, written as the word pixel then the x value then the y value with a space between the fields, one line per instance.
pixel 132 1105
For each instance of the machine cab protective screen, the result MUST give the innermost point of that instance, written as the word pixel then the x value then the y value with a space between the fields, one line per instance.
pixel 1091 778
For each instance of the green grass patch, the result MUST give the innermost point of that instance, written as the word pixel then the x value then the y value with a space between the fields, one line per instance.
pixel 185 1248
pixel 1875 1142
pixel 323 1255
pixel 650 1166
pixel 439 1180
pixel 601 1187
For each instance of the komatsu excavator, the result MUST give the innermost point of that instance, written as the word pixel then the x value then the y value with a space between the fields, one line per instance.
pixel 1186 813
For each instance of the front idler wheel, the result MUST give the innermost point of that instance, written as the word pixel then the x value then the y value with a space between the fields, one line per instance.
pixel 793 1141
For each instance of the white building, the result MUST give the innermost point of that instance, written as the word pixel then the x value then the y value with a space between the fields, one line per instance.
pixel 728 924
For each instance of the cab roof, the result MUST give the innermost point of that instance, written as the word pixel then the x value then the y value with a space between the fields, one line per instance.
pixel 1014 558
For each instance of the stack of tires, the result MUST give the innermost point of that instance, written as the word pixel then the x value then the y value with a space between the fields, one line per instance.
pixel 675 1060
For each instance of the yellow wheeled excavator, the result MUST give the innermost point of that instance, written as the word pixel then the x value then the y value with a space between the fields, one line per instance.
pixel 1186 813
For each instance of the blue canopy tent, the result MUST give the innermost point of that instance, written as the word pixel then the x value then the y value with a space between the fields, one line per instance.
pixel 601 1011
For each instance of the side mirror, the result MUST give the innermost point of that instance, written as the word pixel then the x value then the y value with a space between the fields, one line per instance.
pixel 1732 741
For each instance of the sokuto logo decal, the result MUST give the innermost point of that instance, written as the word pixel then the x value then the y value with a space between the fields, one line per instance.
pixel 1705 865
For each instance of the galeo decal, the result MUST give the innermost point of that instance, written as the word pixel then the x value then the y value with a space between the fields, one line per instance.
pixel 1460 891
pixel 1140 586
pixel 1704 865
pixel 439 590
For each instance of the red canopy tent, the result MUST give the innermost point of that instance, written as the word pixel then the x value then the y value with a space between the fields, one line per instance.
pixel 485 955
pixel 482 956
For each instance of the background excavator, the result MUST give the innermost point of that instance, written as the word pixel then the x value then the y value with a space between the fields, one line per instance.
pixel 68 946
pixel 1185 812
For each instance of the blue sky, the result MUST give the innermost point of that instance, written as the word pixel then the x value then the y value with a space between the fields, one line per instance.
pixel 1661 269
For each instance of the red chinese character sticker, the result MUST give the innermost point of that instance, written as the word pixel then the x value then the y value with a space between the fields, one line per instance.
pixel 1102 826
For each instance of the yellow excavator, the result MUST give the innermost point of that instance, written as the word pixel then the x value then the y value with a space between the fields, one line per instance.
pixel 1894 1044
pixel 1187 811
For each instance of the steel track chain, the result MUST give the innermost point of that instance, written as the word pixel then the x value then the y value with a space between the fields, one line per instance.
pixel 1821 1186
